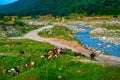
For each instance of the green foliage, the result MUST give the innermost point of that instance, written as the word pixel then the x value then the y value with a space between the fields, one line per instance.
pixel 19 22
pixel 1 17
pixel 62 7
pixel 7 19
pixel 115 16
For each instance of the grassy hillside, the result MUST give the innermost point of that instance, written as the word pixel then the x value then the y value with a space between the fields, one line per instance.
pixel 66 67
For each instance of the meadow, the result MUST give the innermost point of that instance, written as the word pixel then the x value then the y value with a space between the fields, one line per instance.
pixel 57 31
pixel 65 67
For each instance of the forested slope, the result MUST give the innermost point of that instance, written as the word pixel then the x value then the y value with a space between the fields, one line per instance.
pixel 62 7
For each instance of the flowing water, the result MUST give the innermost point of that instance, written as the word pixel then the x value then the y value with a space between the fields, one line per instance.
pixel 85 39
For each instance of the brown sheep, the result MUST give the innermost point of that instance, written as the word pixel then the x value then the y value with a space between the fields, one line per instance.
pixel 31 64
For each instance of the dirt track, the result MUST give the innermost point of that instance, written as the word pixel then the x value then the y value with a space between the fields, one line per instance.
pixel 74 46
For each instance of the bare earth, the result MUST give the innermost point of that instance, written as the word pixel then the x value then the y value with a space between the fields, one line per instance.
pixel 73 45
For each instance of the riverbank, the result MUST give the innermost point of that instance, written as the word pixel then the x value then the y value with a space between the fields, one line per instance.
pixel 75 47
pixel 105 30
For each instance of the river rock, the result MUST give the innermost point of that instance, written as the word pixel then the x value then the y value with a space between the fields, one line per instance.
pixel 109 46
pixel 98 30
pixel 99 44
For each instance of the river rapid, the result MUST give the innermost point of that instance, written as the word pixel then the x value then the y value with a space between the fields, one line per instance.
pixel 85 39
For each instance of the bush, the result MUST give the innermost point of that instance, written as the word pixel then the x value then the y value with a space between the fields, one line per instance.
pixel 19 22
pixel 7 19
pixel 115 16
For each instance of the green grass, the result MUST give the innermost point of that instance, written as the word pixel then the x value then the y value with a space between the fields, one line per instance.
pixel 14 46
pixel 111 27
pixel 63 67
pixel 58 32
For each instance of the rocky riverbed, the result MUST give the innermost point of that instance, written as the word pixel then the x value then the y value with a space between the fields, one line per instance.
pixel 105 35
pixel 100 31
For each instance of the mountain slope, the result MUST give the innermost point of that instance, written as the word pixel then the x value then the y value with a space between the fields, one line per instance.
pixel 18 6
pixel 62 7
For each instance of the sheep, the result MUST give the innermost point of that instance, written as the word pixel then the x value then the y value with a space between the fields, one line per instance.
pixel 92 56
pixel 25 65
pixel 5 71
pixel 78 54
pixel 15 71
pixel 31 64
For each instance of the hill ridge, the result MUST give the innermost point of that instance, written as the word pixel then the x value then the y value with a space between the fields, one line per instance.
pixel 62 7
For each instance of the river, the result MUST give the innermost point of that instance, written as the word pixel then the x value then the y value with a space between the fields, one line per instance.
pixel 85 39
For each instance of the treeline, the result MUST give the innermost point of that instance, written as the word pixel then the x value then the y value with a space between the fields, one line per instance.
pixel 62 7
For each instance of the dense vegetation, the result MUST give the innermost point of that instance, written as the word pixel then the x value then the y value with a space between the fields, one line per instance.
pixel 66 67
pixel 62 7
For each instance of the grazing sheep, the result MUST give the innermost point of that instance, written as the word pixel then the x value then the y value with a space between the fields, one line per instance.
pixel 62 51
pixel 25 65
pixel 31 64
pixel 15 71
pixel 49 53
pixel 55 52
pixel 78 54
pixel 48 50
pixel 45 56
pixel 49 57
pixel 92 56
pixel 19 67
pixel 5 71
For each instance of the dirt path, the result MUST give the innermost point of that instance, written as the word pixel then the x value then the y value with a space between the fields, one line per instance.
pixel 73 45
